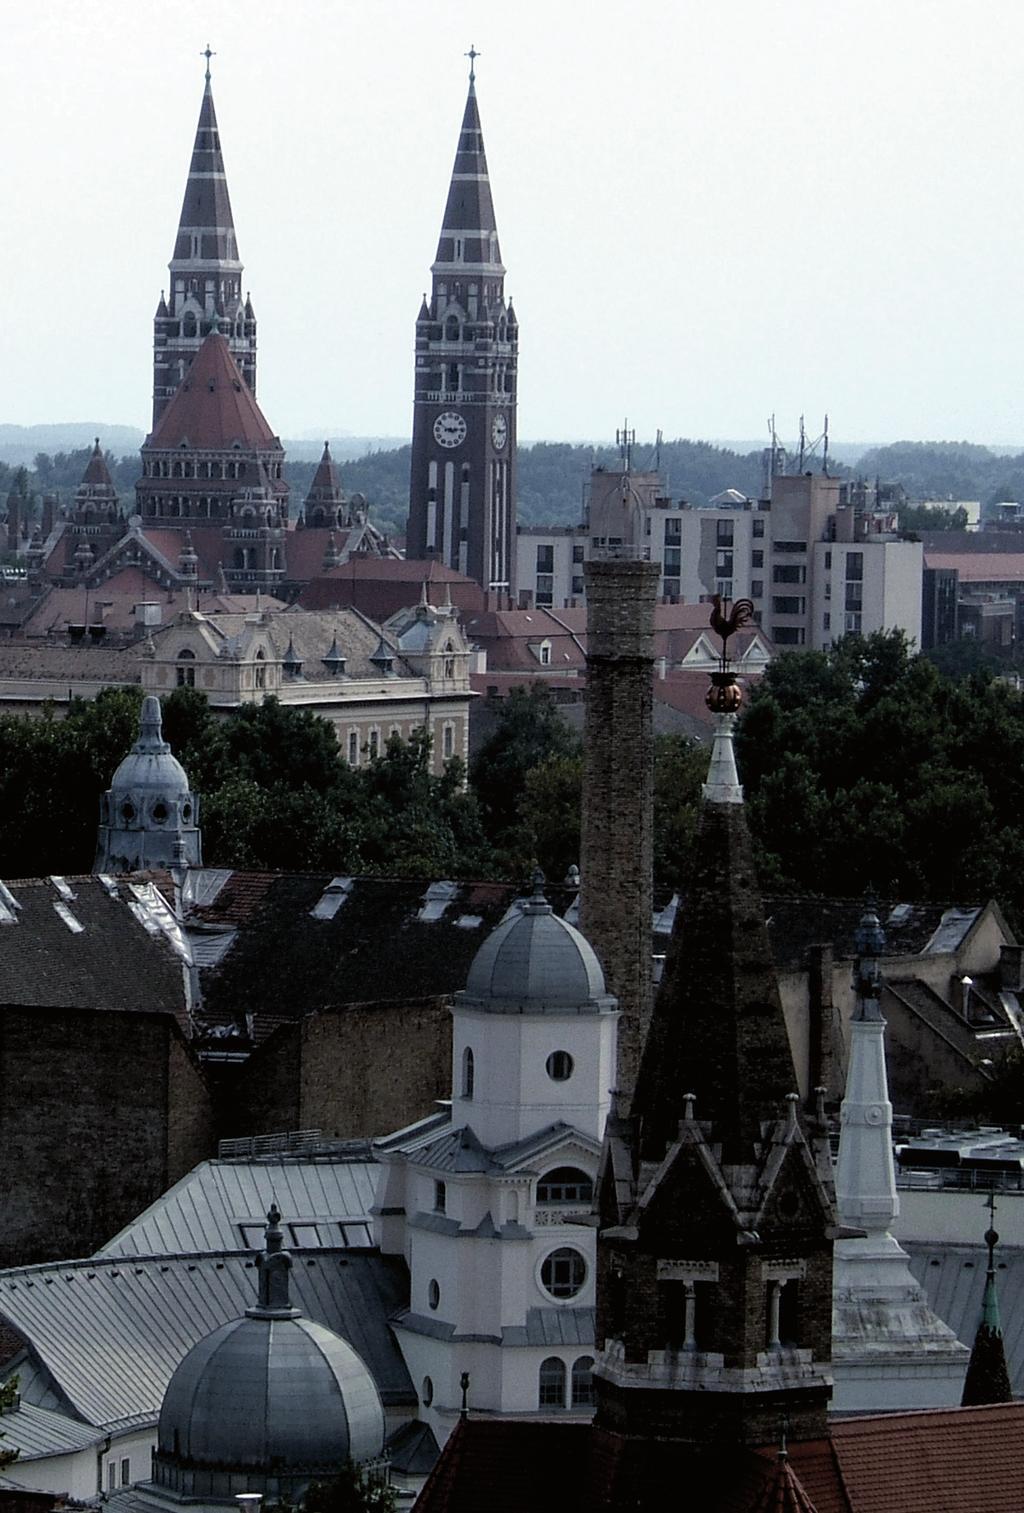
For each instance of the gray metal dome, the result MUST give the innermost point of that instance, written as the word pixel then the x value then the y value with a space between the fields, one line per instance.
pixel 536 963
pixel 268 1402
pixel 262 1393
pixel 148 816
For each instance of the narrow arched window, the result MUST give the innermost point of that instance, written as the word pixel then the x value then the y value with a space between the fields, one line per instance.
pixel 260 671
pixel 551 1392
pixel 583 1382
pixel 467 1073
pixel 186 673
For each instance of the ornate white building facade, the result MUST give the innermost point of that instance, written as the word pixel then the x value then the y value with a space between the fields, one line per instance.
pixel 490 1200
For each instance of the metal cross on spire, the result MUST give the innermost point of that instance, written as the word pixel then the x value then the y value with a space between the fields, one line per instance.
pixel 472 55
pixel 207 54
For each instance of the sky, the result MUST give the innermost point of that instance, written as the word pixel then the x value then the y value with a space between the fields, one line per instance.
pixel 710 210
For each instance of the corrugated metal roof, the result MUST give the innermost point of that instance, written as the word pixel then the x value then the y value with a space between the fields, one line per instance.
pixel 35 1432
pixel 205 1211
pixel 110 1332
pixel 953 1276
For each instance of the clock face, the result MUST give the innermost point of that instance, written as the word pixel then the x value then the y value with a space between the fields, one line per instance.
pixel 449 429
pixel 499 431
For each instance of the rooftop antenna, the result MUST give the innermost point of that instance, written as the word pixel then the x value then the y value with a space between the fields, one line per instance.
pixel 824 454
pixel 803 444
pixel 625 440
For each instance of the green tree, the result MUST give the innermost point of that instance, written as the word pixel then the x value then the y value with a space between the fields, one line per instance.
pixel 528 729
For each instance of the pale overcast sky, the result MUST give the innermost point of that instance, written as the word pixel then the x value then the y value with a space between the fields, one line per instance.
pixel 709 211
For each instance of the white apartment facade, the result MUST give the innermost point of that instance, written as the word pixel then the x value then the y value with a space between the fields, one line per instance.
pixel 814 567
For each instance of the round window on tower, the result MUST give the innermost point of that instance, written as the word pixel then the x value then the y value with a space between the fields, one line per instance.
pixel 127 811
pixel 186 812
pixel 434 1293
pixel 563 1272
pixel 159 812
pixel 559 1066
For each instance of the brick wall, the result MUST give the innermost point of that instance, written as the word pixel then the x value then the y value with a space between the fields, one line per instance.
pixel 359 1069
pixel 616 843
pixel 84 1125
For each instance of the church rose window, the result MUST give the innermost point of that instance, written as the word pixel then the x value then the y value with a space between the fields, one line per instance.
pixel 563 1272
pixel 565 1184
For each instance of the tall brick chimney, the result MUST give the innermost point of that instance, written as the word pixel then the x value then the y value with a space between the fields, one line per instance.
pixel 616 849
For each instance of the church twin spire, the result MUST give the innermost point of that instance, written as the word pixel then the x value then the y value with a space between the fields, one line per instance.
pixel 205 270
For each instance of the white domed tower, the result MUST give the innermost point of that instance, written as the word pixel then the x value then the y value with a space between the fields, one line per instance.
pixel 149 815
pixel 491 1201
pixel 267 1403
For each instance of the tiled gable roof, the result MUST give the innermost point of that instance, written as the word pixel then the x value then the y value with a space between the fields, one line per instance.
pixel 214 407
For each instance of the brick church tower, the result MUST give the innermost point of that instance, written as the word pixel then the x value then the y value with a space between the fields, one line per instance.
pixel 463 480
pixel 716 1209
pixel 206 274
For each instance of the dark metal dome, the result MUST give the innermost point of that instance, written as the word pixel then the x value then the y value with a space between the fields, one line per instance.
pixel 536 963
pixel 268 1402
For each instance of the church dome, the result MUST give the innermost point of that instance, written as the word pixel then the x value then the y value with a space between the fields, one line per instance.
pixel 149 767
pixel 148 815
pixel 271 1401
pixel 536 963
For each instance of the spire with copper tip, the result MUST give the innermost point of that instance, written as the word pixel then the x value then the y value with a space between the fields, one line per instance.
pixel 988 1380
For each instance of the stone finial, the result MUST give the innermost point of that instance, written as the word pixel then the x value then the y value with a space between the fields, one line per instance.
pixel 723 782
pixel 274 1265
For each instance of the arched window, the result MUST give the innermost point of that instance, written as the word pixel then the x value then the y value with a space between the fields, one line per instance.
pixel 552 1383
pixel 451 328
pixel 467 1073
pixel 565 1184
pixel 259 677
pixel 583 1382
pixel 186 672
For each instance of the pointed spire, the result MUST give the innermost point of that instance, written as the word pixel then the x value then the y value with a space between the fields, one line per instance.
pixel 988 1380
pixel 325 489
pixel 718 1025
pixel 469 232
pixel 206 229
pixel 865 1172
pixel 150 740
pixel 96 470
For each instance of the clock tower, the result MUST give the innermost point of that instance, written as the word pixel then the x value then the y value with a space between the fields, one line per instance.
pixel 462 487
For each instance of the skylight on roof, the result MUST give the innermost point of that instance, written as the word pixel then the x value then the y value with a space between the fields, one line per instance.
pixel 9 906
pixel 436 900
pixel 332 898
pixel 74 925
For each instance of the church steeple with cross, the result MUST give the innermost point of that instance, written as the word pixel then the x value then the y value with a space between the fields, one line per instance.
pixel 463 479
pixel 205 288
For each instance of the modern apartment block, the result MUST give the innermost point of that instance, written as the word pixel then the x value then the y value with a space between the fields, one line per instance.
pixel 815 564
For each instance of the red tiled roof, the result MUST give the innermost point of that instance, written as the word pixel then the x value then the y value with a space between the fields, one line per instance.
pixel 980 567
pixel 380 586
pixel 502 1464
pixel 304 551
pixel 214 406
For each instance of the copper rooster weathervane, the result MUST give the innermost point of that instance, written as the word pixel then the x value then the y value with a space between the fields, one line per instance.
pixel 725 695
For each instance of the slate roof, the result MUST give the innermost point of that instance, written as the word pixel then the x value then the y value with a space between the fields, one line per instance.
pixel 204 1212
pixel 114 603
pixel 113 961
pixel 109 1332
pixel 64 665
pixel 796 922
pixel 322 962
pixel 311 635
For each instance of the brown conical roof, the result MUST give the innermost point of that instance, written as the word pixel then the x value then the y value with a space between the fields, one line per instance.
pixel 782 1491
pixel 214 407
pixel 717 1030
pixel 469 213
pixel 206 208
pixel 326 485
pixel 97 472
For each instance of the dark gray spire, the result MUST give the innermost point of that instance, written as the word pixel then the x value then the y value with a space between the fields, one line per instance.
pixel 274 1264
